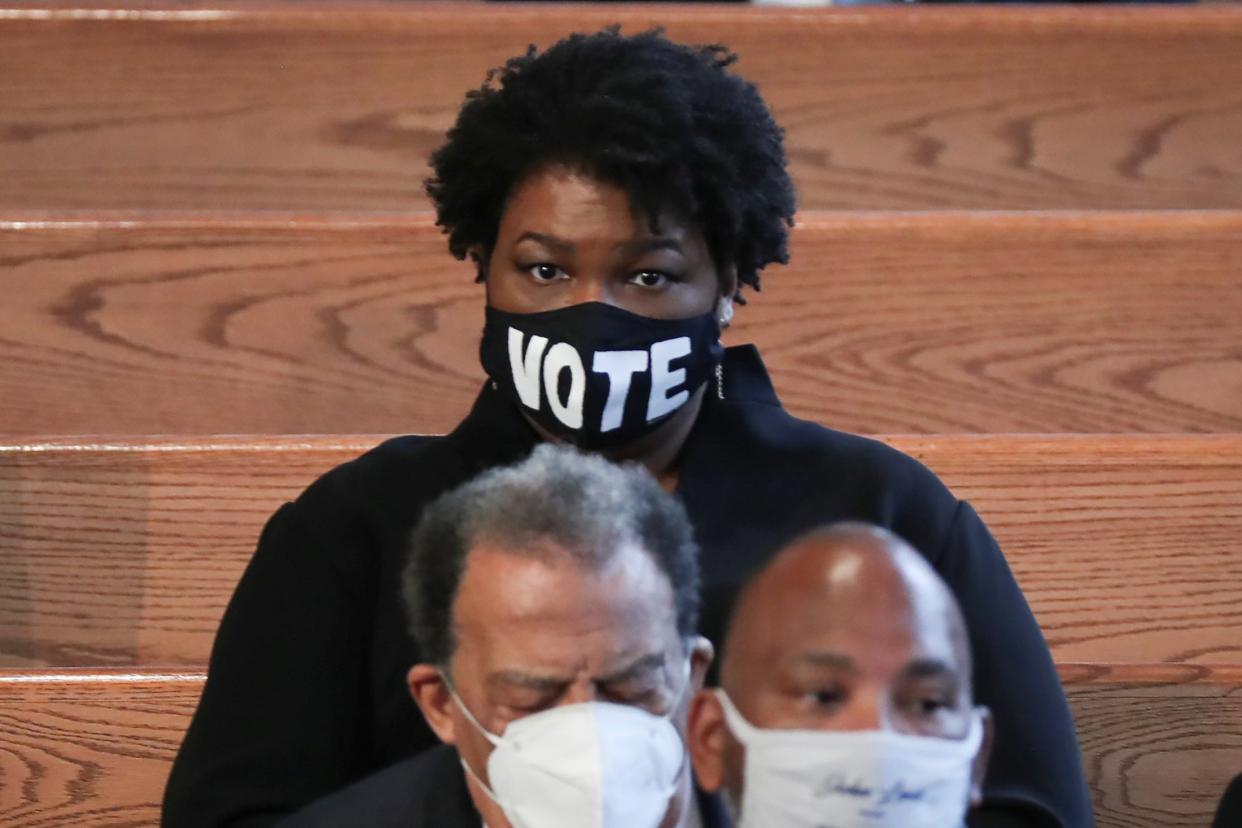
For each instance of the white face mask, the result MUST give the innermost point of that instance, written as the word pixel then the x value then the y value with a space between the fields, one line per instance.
pixel 590 765
pixel 852 779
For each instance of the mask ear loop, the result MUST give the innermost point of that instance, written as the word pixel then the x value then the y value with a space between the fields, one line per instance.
pixel 681 695
pixel 487 734
pixel 743 730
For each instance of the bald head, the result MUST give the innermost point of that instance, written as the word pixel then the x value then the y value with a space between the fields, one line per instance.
pixel 846 630
pixel 844 597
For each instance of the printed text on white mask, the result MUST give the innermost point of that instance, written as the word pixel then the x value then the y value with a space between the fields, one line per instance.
pixel 537 371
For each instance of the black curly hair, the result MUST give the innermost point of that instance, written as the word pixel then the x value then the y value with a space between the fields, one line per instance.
pixel 666 122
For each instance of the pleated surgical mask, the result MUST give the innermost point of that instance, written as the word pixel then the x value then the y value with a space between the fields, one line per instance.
pixel 588 765
pixel 852 779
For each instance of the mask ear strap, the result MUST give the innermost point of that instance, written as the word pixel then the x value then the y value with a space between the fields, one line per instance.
pixel 487 734
pixel 479 781
pixel 742 729
pixel 681 691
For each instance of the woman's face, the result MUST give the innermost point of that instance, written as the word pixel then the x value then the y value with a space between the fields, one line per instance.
pixel 566 238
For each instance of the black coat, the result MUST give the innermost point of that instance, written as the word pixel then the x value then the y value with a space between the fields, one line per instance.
pixel 306 690
pixel 426 791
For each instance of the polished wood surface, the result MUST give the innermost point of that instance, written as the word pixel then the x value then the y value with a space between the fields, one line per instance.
pixel 92 748
pixel 125 553
pixel 939 322
pixel 336 107
pixel 79 749
pixel 1159 745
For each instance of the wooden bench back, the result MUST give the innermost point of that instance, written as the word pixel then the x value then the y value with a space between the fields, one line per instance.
pixel 944 322
pixel 1159 743
pixel 126 553
pixel 337 106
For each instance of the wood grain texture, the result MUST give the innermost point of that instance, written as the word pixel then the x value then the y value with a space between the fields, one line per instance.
pixel 885 323
pixel 1126 546
pixel 93 751
pixel 126 553
pixel 337 108
pixel 1158 747
pixel 89 750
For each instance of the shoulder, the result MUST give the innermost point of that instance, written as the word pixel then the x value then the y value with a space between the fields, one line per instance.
pixel 796 475
pixel 751 422
pixel 397 464
pixel 425 790
pixel 773 441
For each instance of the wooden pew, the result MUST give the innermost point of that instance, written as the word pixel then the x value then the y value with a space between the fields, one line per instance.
pixel 1159 742
pixel 336 106
pixel 885 323
pixel 124 553
pixel 89 748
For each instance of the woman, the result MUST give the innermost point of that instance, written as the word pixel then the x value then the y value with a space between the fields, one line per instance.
pixel 617 194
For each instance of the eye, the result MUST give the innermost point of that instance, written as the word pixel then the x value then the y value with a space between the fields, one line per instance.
pixel 928 705
pixel 632 692
pixel 544 272
pixel 827 696
pixel 651 279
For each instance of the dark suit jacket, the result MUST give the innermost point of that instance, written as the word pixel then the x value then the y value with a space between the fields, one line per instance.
pixel 426 791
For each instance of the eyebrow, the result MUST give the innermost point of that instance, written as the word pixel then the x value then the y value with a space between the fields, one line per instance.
pixel 637 667
pixel 825 658
pixel 560 245
pixel 928 668
pixel 636 247
pixel 533 682
pixel 548 683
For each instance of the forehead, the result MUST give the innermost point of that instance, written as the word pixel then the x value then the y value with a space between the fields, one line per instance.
pixel 551 611
pixel 879 619
pixel 572 204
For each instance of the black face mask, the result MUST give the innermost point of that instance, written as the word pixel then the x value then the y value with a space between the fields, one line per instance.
pixel 597 376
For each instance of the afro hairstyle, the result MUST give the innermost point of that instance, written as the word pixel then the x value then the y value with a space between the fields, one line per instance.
pixel 667 123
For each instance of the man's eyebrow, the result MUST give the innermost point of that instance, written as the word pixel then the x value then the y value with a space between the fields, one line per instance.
pixel 929 668
pixel 827 658
pixel 553 242
pixel 528 680
pixel 640 665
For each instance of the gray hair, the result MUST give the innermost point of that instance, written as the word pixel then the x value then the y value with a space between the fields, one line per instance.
pixel 557 501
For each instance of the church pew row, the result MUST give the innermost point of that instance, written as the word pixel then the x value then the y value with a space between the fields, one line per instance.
pixel 337 106
pixel 882 323
pixel 1159 742
pixel 125 553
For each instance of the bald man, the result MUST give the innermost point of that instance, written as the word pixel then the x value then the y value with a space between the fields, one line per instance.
pixel 845 695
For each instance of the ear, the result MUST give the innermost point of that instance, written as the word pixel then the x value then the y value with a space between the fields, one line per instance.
pixel 979 768
pixel 707 732
pixel 481 258
pixel 431 694
pixel 701 654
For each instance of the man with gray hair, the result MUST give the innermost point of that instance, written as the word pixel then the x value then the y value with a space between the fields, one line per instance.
pixel 555 606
